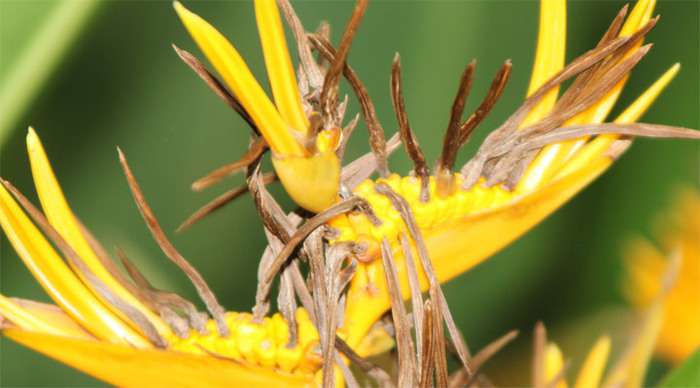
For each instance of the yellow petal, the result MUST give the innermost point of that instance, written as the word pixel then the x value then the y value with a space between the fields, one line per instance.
pixel 601 144
pixel 61 217
pixel 592 369
pixel 229 63
pixel 62 285
pixel 553 364
pixel 313 181
pixel 453 250
pixel 552 157
pixel 631 369
pixel 40 317
pixel 279 66
pixel 550 55
pixel 128 367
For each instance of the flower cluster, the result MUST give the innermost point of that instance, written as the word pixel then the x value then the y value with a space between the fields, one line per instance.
pixel 356 247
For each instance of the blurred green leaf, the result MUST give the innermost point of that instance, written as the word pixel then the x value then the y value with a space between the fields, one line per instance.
pixel 686 374
pixel 29 68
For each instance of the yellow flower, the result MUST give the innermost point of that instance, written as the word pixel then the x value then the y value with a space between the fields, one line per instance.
pixel 489 207
pixel 630 369
pixel 127 333
pixel 303 157
pixel 678 234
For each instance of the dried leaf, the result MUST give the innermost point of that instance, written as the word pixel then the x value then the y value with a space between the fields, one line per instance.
pixel 407 136
pixel 256 149
pixel 208 297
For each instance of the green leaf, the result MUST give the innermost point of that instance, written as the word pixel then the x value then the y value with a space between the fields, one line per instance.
pixel 686 374
pixel 45 38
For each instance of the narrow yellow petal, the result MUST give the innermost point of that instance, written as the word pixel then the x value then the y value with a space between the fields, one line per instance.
pixel 40 317
pixel 593 366
pixel 644 101
pixel 550 55
pixel 229 63
pixel 552 157
pixel 61 217
pixel 452 250
pixel 279 66
pixel 62 285
pixel 601 144
pixel 124 366
pixel 630 371
pixel 553 364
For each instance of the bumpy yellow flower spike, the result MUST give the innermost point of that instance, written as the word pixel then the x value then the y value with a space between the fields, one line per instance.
pixel 133 335
pixel 310 174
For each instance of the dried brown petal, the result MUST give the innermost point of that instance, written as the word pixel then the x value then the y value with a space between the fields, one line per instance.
pixel 208 297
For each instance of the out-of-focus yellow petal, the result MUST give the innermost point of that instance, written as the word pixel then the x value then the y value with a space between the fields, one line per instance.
pixel 553 364
pixel 40 317
pixel 629 372
pixel 601 144
pixel 594 365
pixel 62 285
pixel 313 181
pixel 645 265
pixel 551 158
pixel 279 66
pixel 61 217
pixel 456 248
pixel 229 63
pixel 550 55
pixel 128 367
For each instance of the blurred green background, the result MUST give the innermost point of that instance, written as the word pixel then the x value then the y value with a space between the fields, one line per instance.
pixel 120 83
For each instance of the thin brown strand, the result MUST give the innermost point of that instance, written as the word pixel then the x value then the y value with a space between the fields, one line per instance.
pixel 257 148
pixel 428 362
pixel 347 132
pixel 450 144
pixel 372 370
pixel 329 93
pixel 208 297
pixel 166 302
pixel 657 131
pixel 287 304
pixel 461 378
pixel 407 362
pixel 439 354
pixel 107 262
pixel 350 379
pixel 540 343
pixel 269 210
pixel 435 291
pixel 311 68
pixel 474 168
pixel 498 85
pixel 215 85
pixel 310 225
pixel 585 77
pixel 221 201
pixel 416 297
pixel 407 136
pixel 510 168
pixel 376 132
pixel 362 168
pixel 133 315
